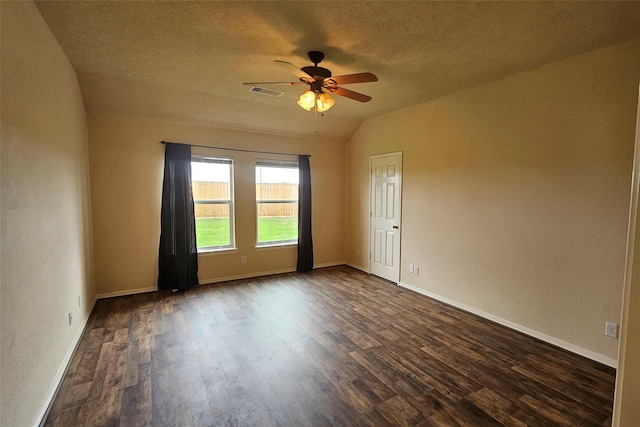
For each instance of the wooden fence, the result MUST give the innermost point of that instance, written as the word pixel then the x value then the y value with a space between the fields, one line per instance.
pixel 221 191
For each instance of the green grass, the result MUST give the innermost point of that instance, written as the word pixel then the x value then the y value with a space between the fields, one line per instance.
pixel 271 228
pixel 212 232
pixel 215 231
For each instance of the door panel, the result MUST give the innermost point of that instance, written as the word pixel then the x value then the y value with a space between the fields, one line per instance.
pixel 377 258
pixel 385 216
pixel 390 201
pixel 378 201
pixel 390 250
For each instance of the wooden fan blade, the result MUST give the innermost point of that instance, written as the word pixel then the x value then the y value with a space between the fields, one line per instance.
pixel 349 94
pixel 295 70
pixel 276 83
pixel 350 79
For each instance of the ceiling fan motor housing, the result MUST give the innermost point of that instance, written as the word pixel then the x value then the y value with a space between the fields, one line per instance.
pixel 317 72
pixel 315 56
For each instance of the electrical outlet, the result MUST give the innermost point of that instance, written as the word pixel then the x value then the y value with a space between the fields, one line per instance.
pixel 611 330
pixel 70 318
pixel 357 252
pixel 243 259
pixel 416 269
pixel 410 268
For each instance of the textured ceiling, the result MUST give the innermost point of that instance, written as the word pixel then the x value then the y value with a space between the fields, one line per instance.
pixel 186 61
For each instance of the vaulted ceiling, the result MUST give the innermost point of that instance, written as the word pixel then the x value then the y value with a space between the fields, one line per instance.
pixel 186 61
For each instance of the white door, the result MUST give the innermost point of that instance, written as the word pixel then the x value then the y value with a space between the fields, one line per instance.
pixel 386 181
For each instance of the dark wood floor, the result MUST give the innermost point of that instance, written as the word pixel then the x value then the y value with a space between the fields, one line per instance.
pixel 332 347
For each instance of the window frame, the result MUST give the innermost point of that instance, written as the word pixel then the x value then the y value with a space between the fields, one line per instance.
pixel 218 159
pixel 274 163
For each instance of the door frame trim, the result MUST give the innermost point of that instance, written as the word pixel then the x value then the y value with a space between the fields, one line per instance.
pixel 630 284
pixel 369 248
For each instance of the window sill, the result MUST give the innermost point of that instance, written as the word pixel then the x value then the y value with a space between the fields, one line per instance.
pixel 211 252
pixel 276 246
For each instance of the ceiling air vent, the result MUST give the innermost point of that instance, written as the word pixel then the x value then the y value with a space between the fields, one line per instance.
pixel 265 91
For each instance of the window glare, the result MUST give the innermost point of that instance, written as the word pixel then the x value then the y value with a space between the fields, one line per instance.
pixel 276 175
pixel 210 172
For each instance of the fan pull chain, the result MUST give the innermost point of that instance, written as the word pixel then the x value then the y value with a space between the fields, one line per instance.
pixel 315 118
pixel 315 121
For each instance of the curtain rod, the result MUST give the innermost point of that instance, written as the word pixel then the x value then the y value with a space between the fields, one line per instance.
pixel 235 149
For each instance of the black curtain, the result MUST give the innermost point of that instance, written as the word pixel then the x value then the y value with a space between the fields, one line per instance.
pixel 178 254
pixel 305 242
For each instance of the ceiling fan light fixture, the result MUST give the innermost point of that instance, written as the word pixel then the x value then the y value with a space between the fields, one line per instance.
pixel 307 100
pixel 324 101
pixel 320 79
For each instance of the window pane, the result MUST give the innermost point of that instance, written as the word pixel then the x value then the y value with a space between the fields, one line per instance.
pixel 211 181
pixel 276 183
pixel 277 222
pixel 213 230
pixel 277 203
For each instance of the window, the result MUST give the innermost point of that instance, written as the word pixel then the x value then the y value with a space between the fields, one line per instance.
pixel 212 184
pixel 277 202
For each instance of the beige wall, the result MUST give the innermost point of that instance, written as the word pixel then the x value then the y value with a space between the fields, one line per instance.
pixel 46 226
pixel 516 195
pixel 126 185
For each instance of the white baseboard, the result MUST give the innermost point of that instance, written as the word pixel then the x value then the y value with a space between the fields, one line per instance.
pixel 265 273
pixel 43 411
pixel 127 292
pixel 533 333
pixel 358 267
pixel 216 280
pixel 329 264
pixel 245 276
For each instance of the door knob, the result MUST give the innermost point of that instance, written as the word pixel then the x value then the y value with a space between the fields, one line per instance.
pixel 395 227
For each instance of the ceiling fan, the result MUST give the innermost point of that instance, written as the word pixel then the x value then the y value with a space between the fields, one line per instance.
pixel 321 83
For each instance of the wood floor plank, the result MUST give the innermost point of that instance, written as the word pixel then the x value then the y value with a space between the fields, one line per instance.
pixel 399 412
pixel 333 347
pixel 495 406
